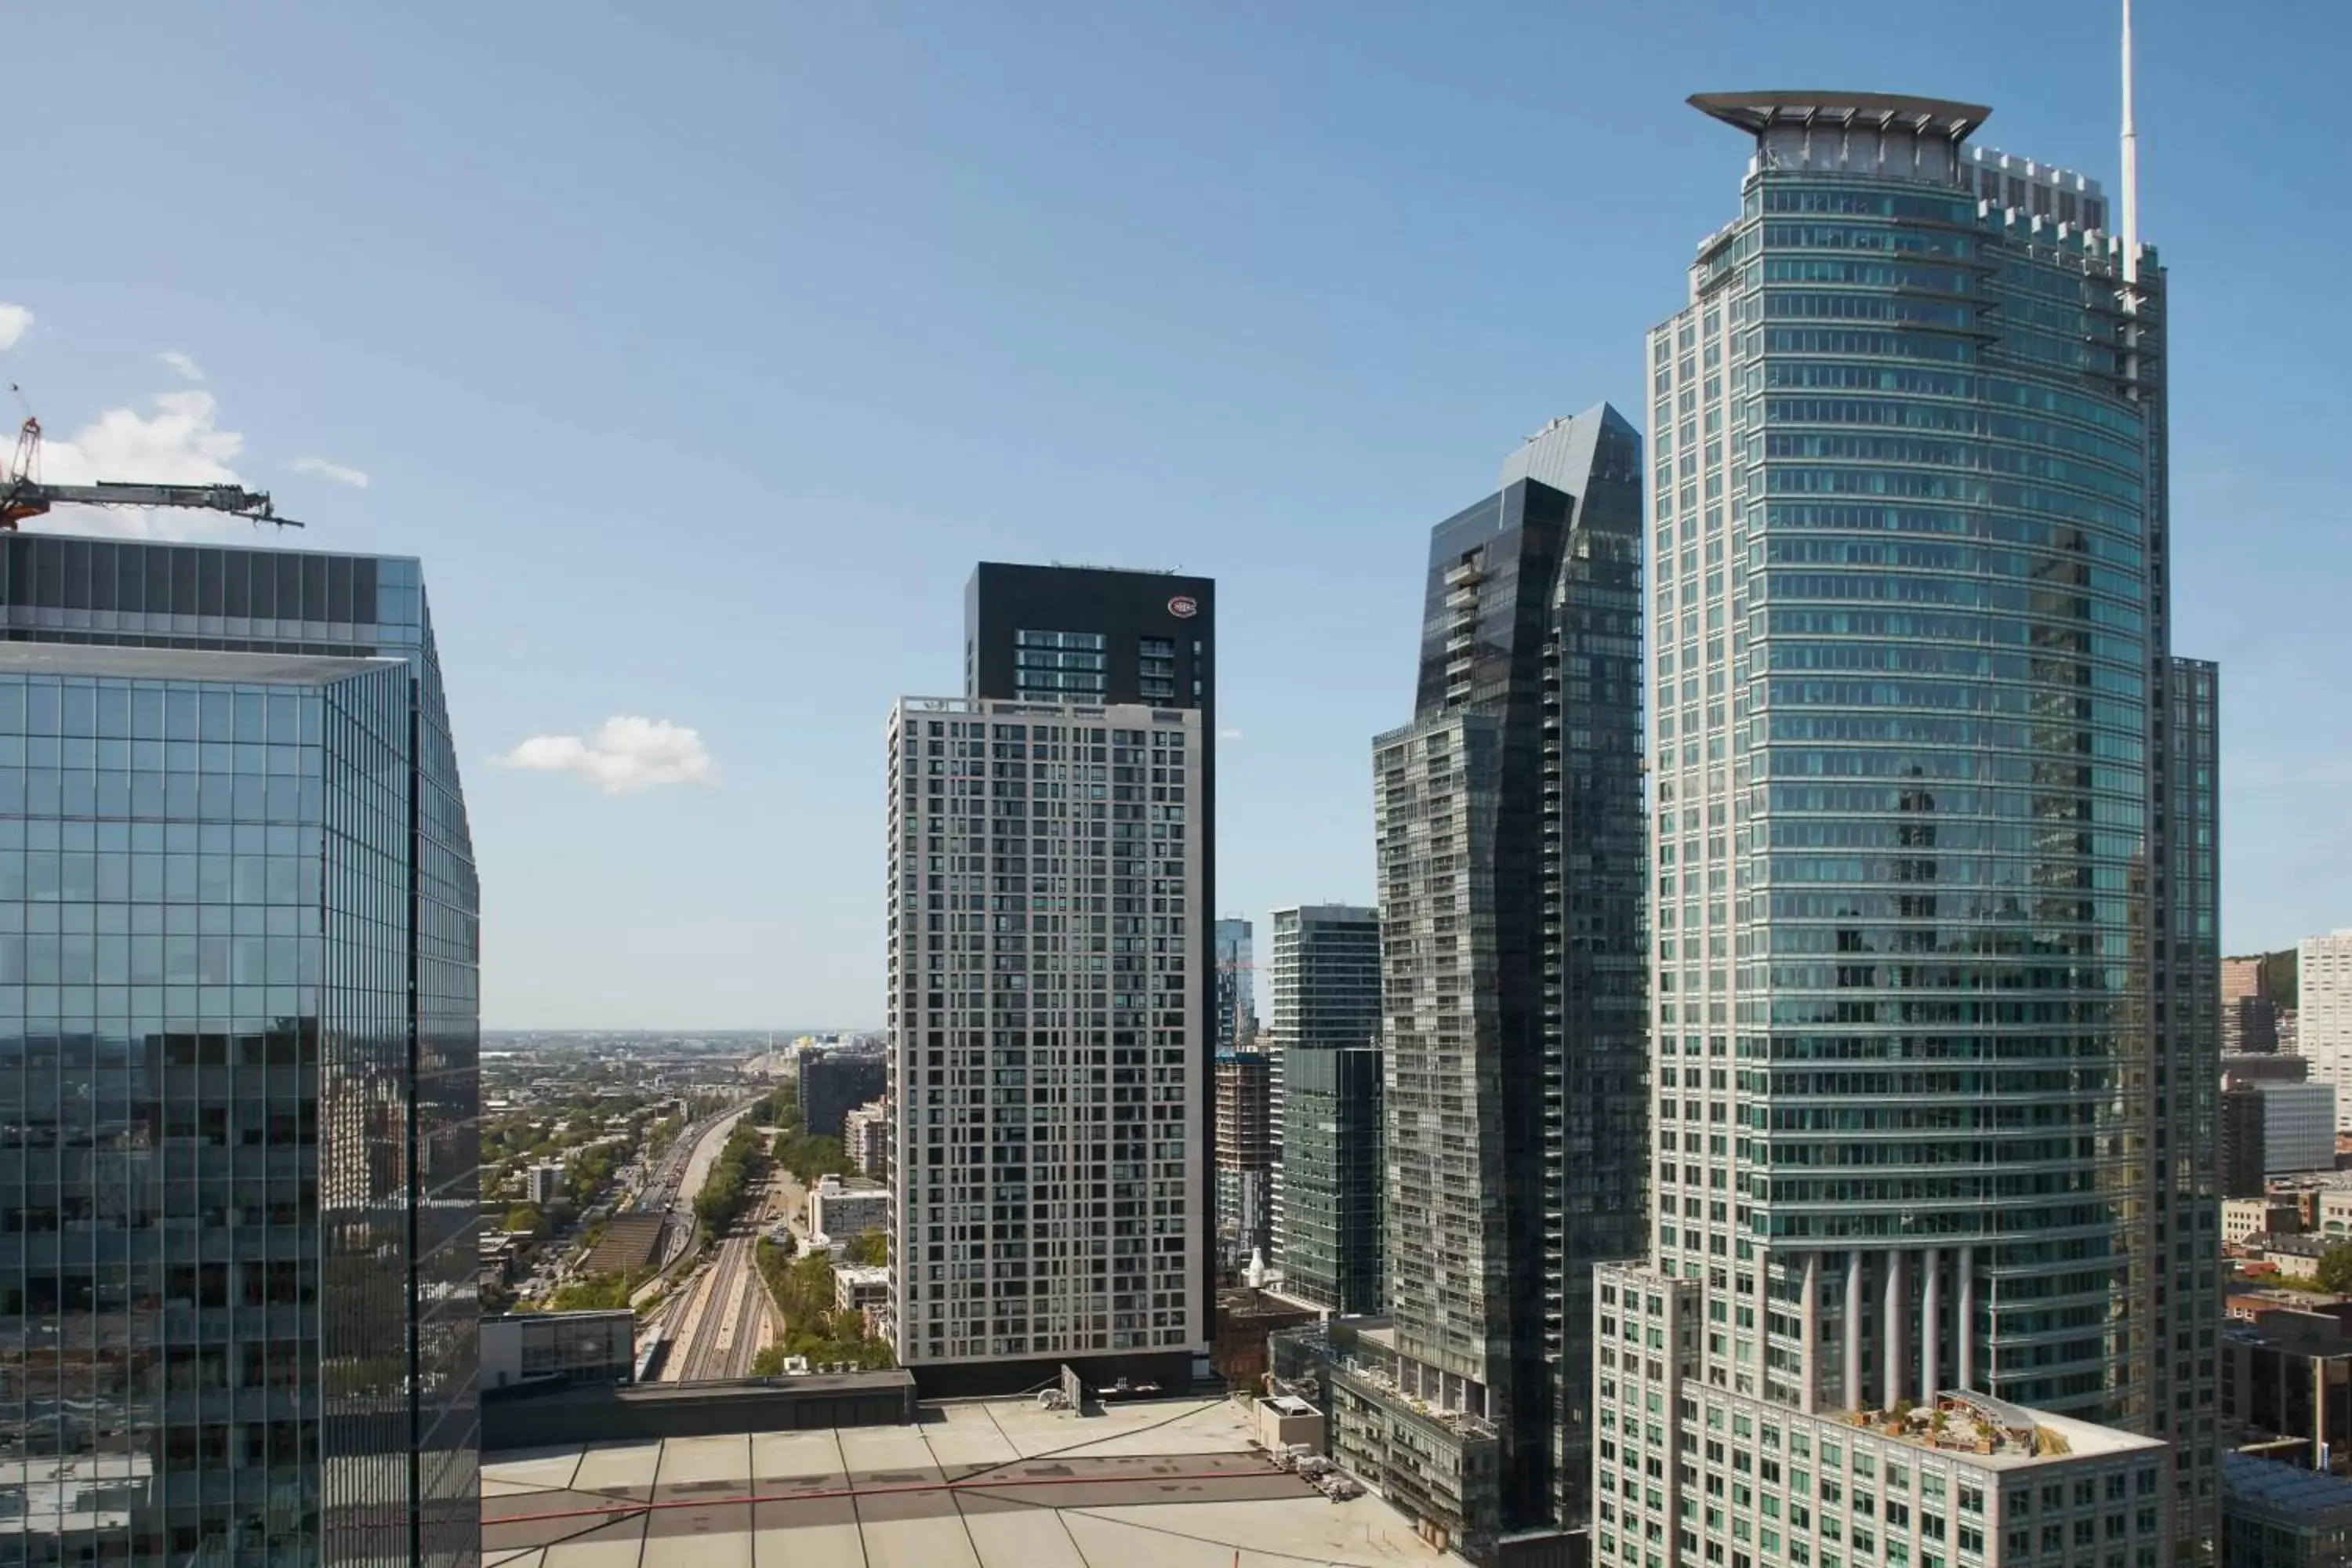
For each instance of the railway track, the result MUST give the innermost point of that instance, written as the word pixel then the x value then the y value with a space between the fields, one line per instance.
pixel 721 1328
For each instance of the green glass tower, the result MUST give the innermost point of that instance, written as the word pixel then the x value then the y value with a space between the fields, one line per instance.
pixel 1933 1033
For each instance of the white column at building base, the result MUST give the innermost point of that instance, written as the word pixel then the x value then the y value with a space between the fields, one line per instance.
pixel 1808 1373
pixel 1893 1393
pixel 1850 1320
pixel 1930 1299
pixel 1964 1329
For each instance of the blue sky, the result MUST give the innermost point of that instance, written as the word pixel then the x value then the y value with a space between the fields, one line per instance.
pixel 701 350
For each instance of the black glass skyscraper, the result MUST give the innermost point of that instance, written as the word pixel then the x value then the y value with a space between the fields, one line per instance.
pixel 1511 869
pixel 239 1037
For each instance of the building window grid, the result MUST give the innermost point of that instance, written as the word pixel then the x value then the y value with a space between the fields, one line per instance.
pixel 1162 1291
pixel 1683 987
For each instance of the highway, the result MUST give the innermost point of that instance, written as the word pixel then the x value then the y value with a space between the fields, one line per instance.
pixel 722 1316
pixel 676 1180
pixel 679 1179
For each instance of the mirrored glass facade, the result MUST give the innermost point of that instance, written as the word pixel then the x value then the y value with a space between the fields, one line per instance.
pixel 1325 984
pixel 1934 972
pixel 1331 1160
pixel 237 1063
pixel 1509 845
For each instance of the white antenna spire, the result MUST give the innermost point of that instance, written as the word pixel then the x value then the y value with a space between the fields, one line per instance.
pixel 2131 163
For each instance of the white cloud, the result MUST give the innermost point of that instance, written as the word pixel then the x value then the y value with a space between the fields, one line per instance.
pixel 343 474
pixel 1229 734
pixel 178 441
pixel 626 755
pixel 13 320
pixel 186 366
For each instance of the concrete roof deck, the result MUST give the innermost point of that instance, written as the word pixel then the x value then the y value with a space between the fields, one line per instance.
pixel 982 1484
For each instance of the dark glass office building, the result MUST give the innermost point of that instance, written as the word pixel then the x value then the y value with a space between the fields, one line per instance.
pixel 239 1035
pixel 1511 865
pixel 1331 1165
pixel 835 1083
pixel 1325 985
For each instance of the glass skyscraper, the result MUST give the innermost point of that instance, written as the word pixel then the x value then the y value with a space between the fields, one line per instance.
pixel 1933 1066
pixel 238 940
pixel 1325 985
pixel 1236 973
pixel 1333 1180
pixel 1509 852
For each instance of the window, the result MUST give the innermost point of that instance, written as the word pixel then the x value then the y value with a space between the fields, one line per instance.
pixel 1155 667
pixel 1047 664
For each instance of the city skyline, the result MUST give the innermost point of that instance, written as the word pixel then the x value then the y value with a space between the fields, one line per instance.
pixel 1833 958
pixel 1330 353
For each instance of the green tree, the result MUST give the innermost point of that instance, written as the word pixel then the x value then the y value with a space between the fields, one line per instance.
pixel 597 1292
pixel 734 1176
pixel 802 1288
pixel 870 1250
pixel 2336 1268
pixel 810 1157
pixel 526 1216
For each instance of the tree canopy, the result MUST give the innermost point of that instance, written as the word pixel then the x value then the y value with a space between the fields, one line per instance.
pixel 2336 1268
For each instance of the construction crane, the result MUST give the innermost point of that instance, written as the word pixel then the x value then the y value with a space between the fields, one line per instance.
pixel 22 495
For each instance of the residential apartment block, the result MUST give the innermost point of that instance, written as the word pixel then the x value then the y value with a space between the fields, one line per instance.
pixel 2323 1018
pixel 1051 863
pixel 2249 1005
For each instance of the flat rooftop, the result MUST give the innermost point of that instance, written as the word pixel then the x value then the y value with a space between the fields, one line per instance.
pixel 2021 1435
pixel 107 662
pixel 2260 1484
pixel 979 1484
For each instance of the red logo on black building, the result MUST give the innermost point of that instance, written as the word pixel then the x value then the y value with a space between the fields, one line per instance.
pixel 1184 607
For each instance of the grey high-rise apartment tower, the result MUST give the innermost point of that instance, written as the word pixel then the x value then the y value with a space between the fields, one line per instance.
pixel 1052 987
pixel 1325 984
pixel 1511 862
pixel 237 1062
pixel 1935 1038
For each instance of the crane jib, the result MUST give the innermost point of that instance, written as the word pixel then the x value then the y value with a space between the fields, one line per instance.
pixel 21 499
